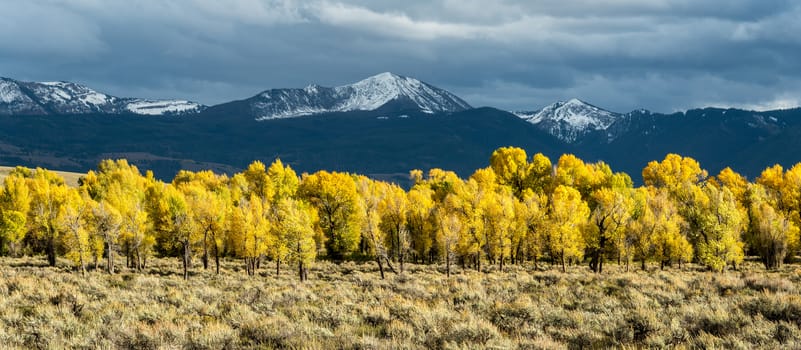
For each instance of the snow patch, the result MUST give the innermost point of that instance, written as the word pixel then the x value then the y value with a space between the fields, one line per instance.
pixel 162 107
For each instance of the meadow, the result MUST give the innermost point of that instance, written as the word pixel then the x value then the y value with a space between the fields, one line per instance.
pixel 347 306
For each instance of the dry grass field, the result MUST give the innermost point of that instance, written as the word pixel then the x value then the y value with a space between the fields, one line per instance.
pixel 347 306
pixel 71 179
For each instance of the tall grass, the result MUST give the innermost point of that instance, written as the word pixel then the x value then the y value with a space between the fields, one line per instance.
pixel 347 306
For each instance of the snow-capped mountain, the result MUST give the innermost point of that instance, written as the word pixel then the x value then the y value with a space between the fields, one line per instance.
pixel 571 120
pixel 373 93
pixel 17 97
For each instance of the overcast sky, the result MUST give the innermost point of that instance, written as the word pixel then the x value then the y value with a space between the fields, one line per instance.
pixel 618 54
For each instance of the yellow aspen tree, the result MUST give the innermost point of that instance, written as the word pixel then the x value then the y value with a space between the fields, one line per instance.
pixel 252 230
pixel 371 194
pixel 568 218
pixel 532 216
pixel 720 229
pixel 123 187
pixel 772 235
pixel 208 209
pixel 571 171
pixel 257 181
pixel 15 203
pixel 181 225
pixel 76 222
pixel 296 221
pixel 284 184
pixel 667 241
pixel 283 180
pixel 442 182
pixel 48 199
pixel 420 222
pixel 466 203
pixel 135 236
pixel 337 202
pixel 392 209
pixel 541 174
pixel 107 225
pixel 610 215
pixel 673 172
pixel 499 217
pixel 512 168
pixel 449 233
pixel 736 183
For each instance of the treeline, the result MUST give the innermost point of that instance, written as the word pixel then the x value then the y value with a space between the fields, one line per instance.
pixel 517 210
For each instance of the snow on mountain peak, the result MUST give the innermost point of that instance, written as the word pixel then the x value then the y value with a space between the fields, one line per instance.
pixel 61 97
pixel 569 120
pixel 366 95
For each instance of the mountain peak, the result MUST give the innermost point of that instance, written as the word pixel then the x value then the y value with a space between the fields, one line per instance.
pixel 569 120
pixel 377 91
pixel 385 76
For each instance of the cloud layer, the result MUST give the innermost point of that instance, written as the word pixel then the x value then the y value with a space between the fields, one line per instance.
pixel 619 54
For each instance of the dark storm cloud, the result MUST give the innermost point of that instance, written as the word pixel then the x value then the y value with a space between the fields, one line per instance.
pixel 621 54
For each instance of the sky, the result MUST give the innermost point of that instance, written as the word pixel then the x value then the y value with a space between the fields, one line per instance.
pixel 661 55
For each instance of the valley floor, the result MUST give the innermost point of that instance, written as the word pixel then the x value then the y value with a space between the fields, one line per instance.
pixel 348 306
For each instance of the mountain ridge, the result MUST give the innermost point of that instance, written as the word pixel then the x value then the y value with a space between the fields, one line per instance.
pixel 380 130
pixel 67 98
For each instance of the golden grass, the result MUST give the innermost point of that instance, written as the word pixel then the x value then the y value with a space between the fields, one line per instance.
pixel 347 306
pixel 71 179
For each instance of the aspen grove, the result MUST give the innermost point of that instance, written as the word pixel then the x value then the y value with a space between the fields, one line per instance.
pixel 519 210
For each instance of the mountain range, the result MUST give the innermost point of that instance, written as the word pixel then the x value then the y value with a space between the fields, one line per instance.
pixel 383 125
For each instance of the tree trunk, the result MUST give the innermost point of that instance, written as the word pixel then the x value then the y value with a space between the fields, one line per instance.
pixel 642 264
pixel 51 252
pixel 186 260
pixel 83 263
pixel 389 265
pixel 109 258
pixel 448 265
pixel 380 266
pixel 400 257
pixel 217 257
pixel 277 267
pixel 300 270
pixel 205 250
pixel 138 260
pixel 562 258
